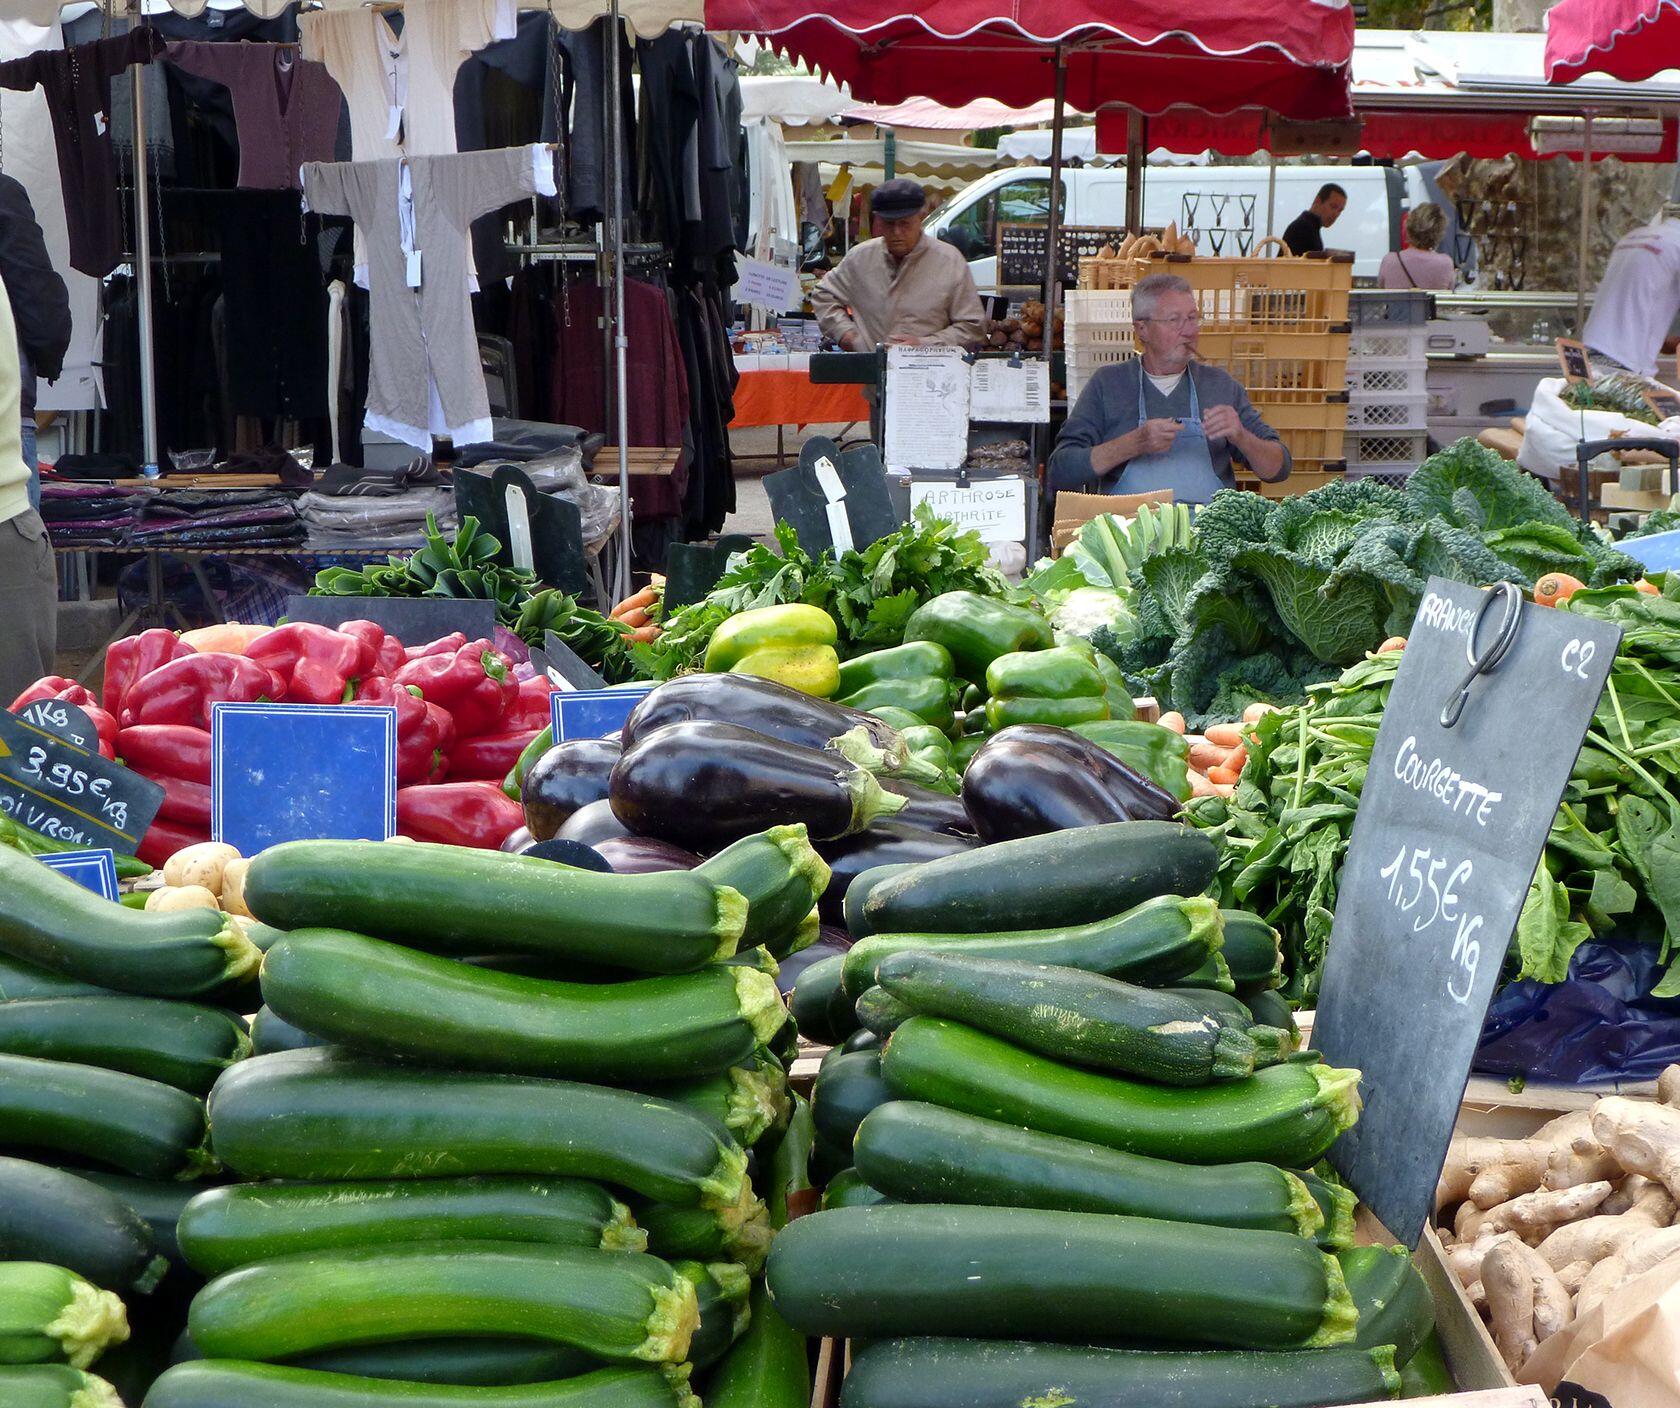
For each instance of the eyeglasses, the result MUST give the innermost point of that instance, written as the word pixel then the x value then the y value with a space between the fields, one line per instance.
pixel 1176 321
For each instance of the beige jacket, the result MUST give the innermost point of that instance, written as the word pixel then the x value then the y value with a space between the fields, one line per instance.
pixel 929 295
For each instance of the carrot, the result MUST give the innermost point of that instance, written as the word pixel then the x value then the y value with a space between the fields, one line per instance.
pixel 1555 587
pixel 1239 756
pixel 1224 789
pixel 1200 786
pixel 1257 711
pixel 1225 735
pixel 635 618
pixel 1225 773
pixel 645 634
pixel 1647 588
pixel 1174 720
pixel 1206 755
pixel 641 600
pixel 1392 644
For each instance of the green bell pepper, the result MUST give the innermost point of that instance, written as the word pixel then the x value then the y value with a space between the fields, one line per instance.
pixel 785 626
pixel 924 738
pixel 973 697
pixel 1158 753
pixel 1059 673
pixel 912 660
pixel 514 782
pixel 1120 702
pixel 898 718
pixel 977 629
pixel 1059 713
pixel 964 749
pixel 928 698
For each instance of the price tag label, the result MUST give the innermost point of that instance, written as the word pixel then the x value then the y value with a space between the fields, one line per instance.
pixel 593 713
pixel 92 870
pixel 1451 824
pixel 69 794
pixel 66 721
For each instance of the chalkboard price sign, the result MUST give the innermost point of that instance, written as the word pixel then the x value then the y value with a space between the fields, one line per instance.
pixel 1451 824
pixel 68 794
pixel 64 720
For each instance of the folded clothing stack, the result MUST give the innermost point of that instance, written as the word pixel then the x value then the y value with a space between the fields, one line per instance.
pixel 386 520
pixel 218 518
pixel 89 515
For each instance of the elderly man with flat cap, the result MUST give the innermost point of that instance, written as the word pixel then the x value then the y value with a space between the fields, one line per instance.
pixel 900 287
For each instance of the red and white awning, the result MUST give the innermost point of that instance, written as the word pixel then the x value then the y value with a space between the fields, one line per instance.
pixel 1627 39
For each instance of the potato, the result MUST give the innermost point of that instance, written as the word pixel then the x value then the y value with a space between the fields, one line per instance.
pixel 171 898
pixel 233 888
pixel 200 865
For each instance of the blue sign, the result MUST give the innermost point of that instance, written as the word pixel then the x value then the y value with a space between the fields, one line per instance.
pixel 297 772
pixel 92 870
pixel 593 713
pixel 1660 552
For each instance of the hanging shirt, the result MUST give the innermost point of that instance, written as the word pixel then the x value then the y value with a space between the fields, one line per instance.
pixel 285 107
pixel 78 87
pixel 1638 297
pixel 424 377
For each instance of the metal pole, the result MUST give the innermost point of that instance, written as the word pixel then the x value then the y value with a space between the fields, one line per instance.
pixel 1586 226
pixel 1052 271
pixel 889 155
pixel 143 266
pixel 1137 159
pixel 1271 192
pixel 620 343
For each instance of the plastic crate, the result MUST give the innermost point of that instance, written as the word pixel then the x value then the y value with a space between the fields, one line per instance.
pixel 1301 480
pixel 1394 476
pixel 1243 295
pixel 1389 413
pixel 1382 379
pixel 1084 306
pixel 1385 305
pixel 1083 364
pixel 1390 342
pixel 1402 450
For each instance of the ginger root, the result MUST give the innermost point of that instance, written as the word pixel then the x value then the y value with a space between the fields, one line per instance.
pixel 1573 1276
pixel 1533 1212
pixel 1527 1160
pixel 1584 1160
pixel 1668 1086
pixel 1627 1195
pixel 1644 1137
pixel 1635 1259
pixel 1594 1238
pixel 1509 1283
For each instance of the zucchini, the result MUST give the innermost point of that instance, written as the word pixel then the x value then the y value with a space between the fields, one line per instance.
pixel 1214 974
pixel 919 1153
pixel 701 1234
pixel 926 1269
pixel 1395 1307
pixel 965 1373
pixel 54 1386
pixel 780 875
pixel 393 1001
pixel 454 899
pixel 322 1115
pixel 1272 1043
pixel 849 1189
pixel 181 1044
pixel 226 1228
pixel 1338 1204
pixel 228 1383
pixel 1084 1018
pixel 486 1362
pixel 1252 951
pixel 47 1214
pixel 49 1313
pixel 125 1122
pixel 156 1203
pixel 1426 1374
pixel 615 1305
pixel 1044 882
pixel 747 1100
pixel 270 1033
pixel 1153 943
pixel 766 1368
pixel 21 982
pixel 721 1290
pixel 860 1040
pixel 1288 1114
pixel 1272 1008
pixel 787 1168
pixel 859 891
pixel 881 1012
pixel 52 922
pixel 821 1009
pixel 848 1086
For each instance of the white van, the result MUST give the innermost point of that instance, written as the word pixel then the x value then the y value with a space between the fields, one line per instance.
pixel 1223 207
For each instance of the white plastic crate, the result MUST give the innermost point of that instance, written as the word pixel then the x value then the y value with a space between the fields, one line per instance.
pixel 1379 450
pixel 1386 378
pixel 1098 305
pixel 1389 342
pixel 1393 475
pixel 1389 413
pixel 1083 364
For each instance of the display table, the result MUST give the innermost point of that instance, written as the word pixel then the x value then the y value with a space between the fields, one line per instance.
pixel 778 390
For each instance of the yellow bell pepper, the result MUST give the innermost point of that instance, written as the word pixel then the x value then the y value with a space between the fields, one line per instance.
pixel 811 669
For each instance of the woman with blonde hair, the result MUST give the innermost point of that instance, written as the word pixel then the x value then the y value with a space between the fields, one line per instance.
pixel 1422 264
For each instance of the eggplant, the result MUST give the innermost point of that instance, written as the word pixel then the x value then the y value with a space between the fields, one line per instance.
pixel 593 824
pixel 641 855
pixel 519 840
pixel 565 779
pixel 1030 779
pixel 702 785
pixel 930 810
pixel 563 851
pixel 830 942
pixel 885 843
pixel 759 704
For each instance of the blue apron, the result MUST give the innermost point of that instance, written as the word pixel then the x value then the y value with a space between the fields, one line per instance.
pixel 1186 469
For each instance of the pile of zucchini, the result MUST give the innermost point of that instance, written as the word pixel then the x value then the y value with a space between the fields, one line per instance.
pixel 1071 1153
pixel 494 1144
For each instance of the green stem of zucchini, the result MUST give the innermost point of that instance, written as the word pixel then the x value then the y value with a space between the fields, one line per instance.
pixel 201 1161
pixel 93 1320
pixel 1341 1315
pixel 1338 1094
pixel 243 956
pixel 1234 1055
pixel 676 1316
pixel 622 1235
pixel 761 1002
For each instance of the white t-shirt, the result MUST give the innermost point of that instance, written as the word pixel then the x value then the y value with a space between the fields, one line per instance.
pixel 1428 268
pixel 1638 297
pixel 1166 385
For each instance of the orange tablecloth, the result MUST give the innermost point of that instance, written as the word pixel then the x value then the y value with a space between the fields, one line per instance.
pixel 791 398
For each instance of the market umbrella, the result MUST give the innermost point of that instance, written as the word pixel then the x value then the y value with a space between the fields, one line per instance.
pixel 1627 39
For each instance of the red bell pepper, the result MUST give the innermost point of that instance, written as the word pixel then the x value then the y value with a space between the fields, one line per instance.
pixel 425 733
pixel 184 803
pixel 531 709
pixel 164 838
pixel 388 652
pixel 182 691
pixel 69 692
pixel 315 664
pixel 473 683
pixel 166 750
pixel 458 814
pixel 129 660
pixel 490 756
pixel 443 645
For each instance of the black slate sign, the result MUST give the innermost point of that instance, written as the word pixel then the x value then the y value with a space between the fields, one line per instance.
pixel 854 479
pixel 414 620
pixel 1451 824
pixel 556 657
pixel 64 721
pixel 71 795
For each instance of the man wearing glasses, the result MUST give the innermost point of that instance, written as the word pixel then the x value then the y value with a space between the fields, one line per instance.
pixel 1164 420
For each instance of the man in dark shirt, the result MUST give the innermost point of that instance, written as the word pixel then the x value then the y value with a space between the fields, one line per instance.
pixel 40 308
pixel 1305 234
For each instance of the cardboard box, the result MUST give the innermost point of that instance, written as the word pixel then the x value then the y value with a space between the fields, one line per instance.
pixel 1074 511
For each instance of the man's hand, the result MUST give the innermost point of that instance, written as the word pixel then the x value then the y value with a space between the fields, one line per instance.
pixel 905 342
pixel 850 342
pixel 1153 437
pixel 1222 423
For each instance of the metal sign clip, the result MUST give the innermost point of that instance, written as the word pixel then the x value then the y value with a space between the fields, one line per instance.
pixel 1488 661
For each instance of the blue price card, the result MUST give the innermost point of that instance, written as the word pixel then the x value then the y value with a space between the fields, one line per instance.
pixel 593 713
pixel 297 772
pixel 1660 552
pixel 92 870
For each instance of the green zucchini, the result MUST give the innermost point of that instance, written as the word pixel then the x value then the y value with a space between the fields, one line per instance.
pixel 821 1009
pixel 54 1386
pixel 860 1040
pixel 392 1001
pixel 480 1361
pixel 721 1290
pixel 1272 1009
pixel 787 1167
pixel 322 1115
pixel 966 1373
pixel 453 899
pixel 1085 1018
pixel 1252 951
pixel 22 982
pixel 780 875
pixel 1214 974
pixel 226 1228
pixel 848 1087
pixel 1271 1043
pixel 156 1203
pixel 120 1121
pixel 881 1012
pixel 228 1383
pixel 766 1368
pixel 616 1305
pixel 50 1313
pixel 1045 882
pixel 271 1033
pixel 702 1234
pixel 1338 1204
pixel 1153 943
pixel 927 1269
pixel 181 1044
pixel 47 1214
pixel 919 1153
pixel 1426 1374
pixel 746 1100
pixel 1395 1306
pixel 1288 1114
pixel 858 893
pixel 849 1189
pixel 52 922
pixel 264 936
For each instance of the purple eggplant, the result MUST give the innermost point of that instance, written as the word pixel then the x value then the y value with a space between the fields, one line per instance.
pixel 1030 779
pixel 702 785
pixel 761 705
pixel 885 843
pixel 641 855
pixel 830 943
pixel 930 810
pixel 568 776
pixel 519 840
pixel 593 824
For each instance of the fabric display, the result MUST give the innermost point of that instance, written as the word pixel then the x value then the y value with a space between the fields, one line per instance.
pixel 398 521
pixel 89 515
pixel 208 519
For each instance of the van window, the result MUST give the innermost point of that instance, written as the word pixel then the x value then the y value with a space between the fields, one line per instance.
pixel 973 229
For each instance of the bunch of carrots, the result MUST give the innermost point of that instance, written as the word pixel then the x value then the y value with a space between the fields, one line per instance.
pixel 636 611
